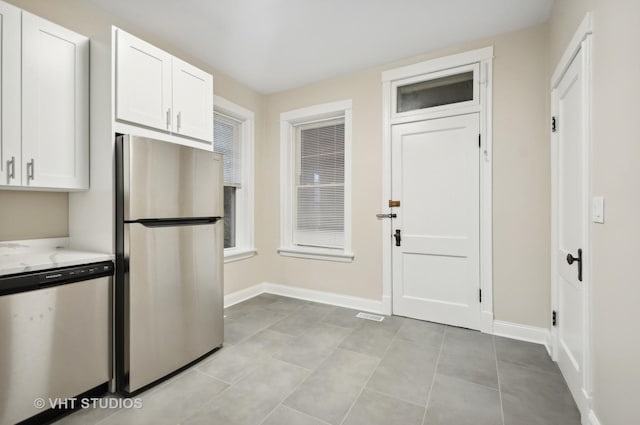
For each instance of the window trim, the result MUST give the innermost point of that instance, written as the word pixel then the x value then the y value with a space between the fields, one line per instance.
pixel 288 121
pixel 245 199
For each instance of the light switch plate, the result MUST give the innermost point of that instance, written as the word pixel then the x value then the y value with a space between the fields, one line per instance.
pixel 597 209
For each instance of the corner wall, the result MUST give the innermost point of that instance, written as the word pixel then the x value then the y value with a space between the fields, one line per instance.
pixel 616 176
pixel 521 201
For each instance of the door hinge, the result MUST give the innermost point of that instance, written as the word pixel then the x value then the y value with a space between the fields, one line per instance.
pixel 554 124
pixel 554 318
pixel 480 294
pixel 479 140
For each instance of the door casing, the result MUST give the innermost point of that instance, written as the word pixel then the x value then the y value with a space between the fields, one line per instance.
pixel 581 41
pixel 483 57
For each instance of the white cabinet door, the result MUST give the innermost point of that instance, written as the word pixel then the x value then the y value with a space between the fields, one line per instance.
pixel 192 101
pixel 10 139
pixel 55 106
pixel 143 83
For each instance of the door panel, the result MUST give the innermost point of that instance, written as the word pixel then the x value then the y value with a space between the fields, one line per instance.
pixel 571 225
pixel 55 105
pixel 435 175
pixel 192 101
pixel 166 180
pixel 175 297
pixel 10 137
pixel 143 83
pixel 55 343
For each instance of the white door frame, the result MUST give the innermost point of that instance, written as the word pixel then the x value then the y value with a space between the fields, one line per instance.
pixel 580 41
pixel 483 57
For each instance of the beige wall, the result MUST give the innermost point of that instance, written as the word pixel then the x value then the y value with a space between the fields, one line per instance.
pixel 33 215
pixel 521 179
pixel 616 176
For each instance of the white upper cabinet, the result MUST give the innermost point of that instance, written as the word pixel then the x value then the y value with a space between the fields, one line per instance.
pixel 44 104
pixel 10 140
pixel 159 91
pixel 143 82
pixel 55 106
pixel 192 101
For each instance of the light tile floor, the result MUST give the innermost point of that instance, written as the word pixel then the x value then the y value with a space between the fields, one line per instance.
pixel 292 362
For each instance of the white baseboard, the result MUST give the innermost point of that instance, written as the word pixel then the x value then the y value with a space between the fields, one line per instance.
pixel 497 327
pixel 243 295
pixel 593 419
pixel 348 301
pixel 486 322
pixel 355 303
pixel 523 333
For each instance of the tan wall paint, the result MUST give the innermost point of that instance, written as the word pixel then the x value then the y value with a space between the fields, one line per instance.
pixel 521 179
pixel 32 215
pixel 616 176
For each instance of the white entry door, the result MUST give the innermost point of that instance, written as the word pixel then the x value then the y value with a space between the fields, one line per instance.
pixel 435 176
pixel 571 225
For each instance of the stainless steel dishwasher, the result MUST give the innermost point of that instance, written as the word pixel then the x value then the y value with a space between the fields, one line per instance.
pixel 54 339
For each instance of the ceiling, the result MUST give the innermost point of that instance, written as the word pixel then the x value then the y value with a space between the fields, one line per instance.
pixel 274 45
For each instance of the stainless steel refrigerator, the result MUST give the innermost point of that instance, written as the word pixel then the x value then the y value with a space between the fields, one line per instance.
pixel 169 259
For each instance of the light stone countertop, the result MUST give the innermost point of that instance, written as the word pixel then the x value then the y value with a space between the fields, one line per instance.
pixel 42 254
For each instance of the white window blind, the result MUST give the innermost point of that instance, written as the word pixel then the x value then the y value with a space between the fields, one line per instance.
pixel 319 185
pixel 226 136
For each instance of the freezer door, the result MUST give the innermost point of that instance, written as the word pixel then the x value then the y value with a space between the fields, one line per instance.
pixel 174 305
pixel 166 180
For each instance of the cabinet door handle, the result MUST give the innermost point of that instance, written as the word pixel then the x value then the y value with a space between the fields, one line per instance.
pixel 11 165
pixel 179 123
pixel 168 118
pixel 31 169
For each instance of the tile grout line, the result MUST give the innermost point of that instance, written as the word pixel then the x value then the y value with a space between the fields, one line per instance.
pixel 433 380
pixel 394 397
pixel 495 349
pixel 310 372
pixel 346 415
pixel 305 414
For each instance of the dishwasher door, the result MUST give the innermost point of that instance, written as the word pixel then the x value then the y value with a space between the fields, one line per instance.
pixel 54 344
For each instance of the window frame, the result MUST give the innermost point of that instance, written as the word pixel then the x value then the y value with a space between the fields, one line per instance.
pixel 475 102
pixel 288 157
pixel 245 195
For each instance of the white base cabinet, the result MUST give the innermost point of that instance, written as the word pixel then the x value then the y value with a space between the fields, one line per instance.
pixel 45 104
pixel 161 92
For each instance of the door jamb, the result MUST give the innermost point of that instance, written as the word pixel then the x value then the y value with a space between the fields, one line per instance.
pixel 580 41
pixel 484 57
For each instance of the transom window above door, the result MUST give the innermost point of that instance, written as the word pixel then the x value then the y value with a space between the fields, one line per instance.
pixel 444 90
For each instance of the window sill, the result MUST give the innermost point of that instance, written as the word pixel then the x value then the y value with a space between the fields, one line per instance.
pixel 317 254
pixel 237 254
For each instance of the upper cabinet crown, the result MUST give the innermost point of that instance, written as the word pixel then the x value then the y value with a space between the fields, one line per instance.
pixel 157 90
pixel 44 136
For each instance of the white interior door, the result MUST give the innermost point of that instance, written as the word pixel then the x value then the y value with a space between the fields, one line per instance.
pixel 435 176
pixel 571 225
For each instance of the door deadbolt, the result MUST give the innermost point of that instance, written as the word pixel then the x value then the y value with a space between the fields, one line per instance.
pixel 398 237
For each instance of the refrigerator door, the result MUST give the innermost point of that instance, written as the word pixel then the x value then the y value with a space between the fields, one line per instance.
pixel 174 299
pixel 166 180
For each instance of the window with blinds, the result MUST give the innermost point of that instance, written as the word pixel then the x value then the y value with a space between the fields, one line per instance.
pixel 319 184
pixel 226 136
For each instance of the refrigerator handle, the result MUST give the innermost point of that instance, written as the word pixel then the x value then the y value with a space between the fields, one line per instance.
pixel 175 222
